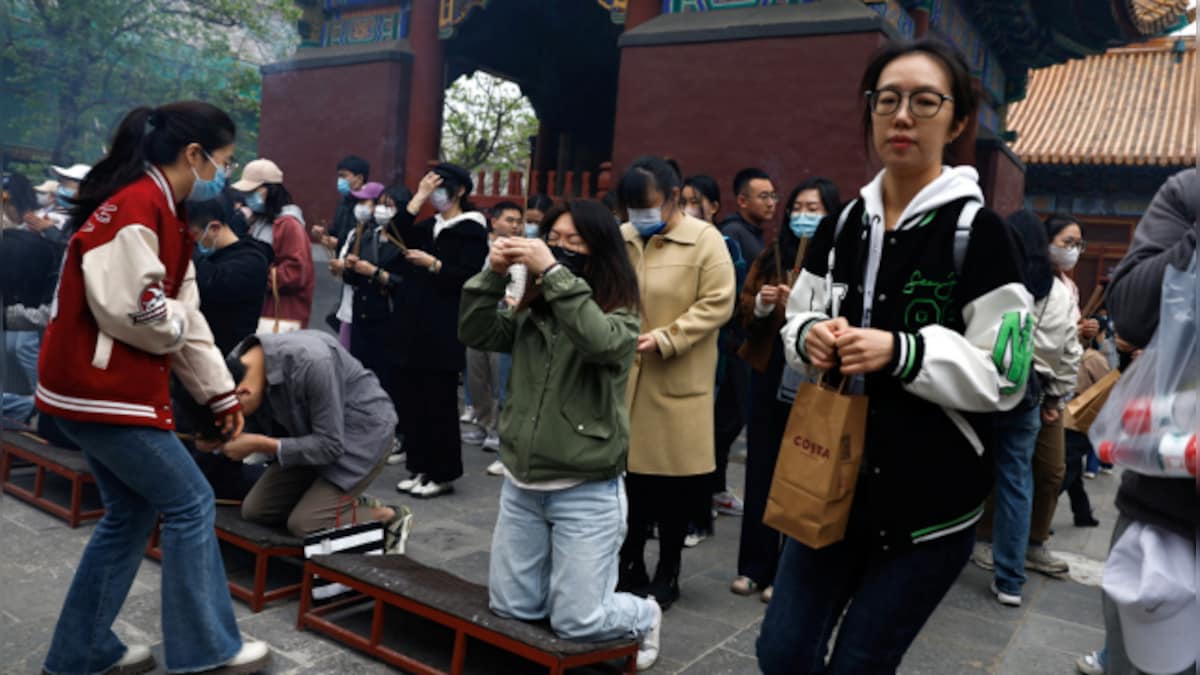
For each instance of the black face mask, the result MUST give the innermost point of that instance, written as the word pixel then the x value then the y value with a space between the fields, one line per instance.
pixel 576 262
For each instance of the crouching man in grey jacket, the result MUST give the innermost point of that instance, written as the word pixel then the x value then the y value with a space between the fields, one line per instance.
pixel 324 421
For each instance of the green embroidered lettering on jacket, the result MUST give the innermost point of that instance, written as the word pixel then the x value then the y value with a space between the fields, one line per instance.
pixel 929 300
pixel 1013 352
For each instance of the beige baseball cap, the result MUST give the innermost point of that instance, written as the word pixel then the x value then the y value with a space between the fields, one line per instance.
pixel 257 173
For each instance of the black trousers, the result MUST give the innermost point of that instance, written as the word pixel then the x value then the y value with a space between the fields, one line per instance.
pixel 760 546
pixel 427 403
pixel 669 501
pixel 1077 446
pixel 729 416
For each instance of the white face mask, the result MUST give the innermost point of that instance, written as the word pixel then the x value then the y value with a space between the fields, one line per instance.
pixel 384 214
pixel 45 199
pixel 440 200
pixel 693 211
pixel 362 213
pixel 1064 258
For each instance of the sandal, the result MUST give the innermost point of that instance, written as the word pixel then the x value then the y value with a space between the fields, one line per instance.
pixel 397 529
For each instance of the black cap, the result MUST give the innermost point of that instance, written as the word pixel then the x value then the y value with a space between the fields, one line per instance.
pixel 355 164
pixel 457 174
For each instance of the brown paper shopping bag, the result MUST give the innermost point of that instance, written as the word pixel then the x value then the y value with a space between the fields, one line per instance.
pixel 1083 409
pixel 822 448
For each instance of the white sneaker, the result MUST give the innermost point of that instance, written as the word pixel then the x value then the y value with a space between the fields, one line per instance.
pixel 1006 599
pixel 728 503
pixel 432 489
pixel 253 657
pixel 137 660
pixel 492 442
pixel 693 539
pixel 468 415
pixel 496 468
pixel 1038 559
pixel 411 483
pixel 1089 475
pixel 647 654
pixel 473 435
pixel 982 556
pixel 397 458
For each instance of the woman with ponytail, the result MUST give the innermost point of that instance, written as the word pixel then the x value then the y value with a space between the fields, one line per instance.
pixel 127 309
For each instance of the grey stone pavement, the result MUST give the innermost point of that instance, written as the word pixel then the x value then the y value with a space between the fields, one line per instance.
pixel 709 630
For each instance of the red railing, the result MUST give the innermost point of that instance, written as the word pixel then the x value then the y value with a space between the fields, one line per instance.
pixel 493 187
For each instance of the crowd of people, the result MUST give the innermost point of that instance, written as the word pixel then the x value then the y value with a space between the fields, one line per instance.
pixel 610 354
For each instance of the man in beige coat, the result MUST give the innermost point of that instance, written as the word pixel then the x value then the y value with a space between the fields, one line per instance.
pixel 686 280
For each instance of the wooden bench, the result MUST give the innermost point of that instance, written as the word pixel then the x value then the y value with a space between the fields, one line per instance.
pixel 396 581
pixel 265 544
pixel 45 458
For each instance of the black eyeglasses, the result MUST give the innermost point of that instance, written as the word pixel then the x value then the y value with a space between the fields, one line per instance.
pixel 921 103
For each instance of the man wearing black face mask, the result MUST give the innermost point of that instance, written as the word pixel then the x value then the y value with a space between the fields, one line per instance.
pixel 231 273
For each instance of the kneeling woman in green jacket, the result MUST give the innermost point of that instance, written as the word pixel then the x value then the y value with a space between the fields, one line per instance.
pixel 564 429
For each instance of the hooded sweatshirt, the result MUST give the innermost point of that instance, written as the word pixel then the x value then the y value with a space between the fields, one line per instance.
pixel 962 346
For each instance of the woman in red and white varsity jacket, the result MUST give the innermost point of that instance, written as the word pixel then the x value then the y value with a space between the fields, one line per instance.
pixel 126 311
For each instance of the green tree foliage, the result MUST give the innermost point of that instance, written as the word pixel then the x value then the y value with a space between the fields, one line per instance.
pixel 72 68
pixel 487 124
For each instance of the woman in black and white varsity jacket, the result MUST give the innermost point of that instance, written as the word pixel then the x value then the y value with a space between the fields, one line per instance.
pixel 916 293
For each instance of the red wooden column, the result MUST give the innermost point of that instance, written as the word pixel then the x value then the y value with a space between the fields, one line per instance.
pixel 641 11
pixel 425 93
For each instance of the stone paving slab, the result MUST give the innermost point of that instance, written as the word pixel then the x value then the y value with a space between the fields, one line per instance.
pixel 708 631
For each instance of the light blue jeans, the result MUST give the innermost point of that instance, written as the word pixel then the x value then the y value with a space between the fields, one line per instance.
pixel 1016 436
pixel 142 472
pixel 24 346
pixel 554 554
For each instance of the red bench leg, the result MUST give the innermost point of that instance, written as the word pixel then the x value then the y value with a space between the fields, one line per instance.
pixel 260 581
pixel 305 595
pixel 76 500
pixel 460 653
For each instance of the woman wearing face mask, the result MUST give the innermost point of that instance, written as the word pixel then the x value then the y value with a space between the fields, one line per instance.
pixel 687 287
pixel 440 253
pixel 371 267
pixel 917 298
pixel 1057 355
pixel 127 309
pixel 572 338
pixel 279 223
pixel 762 312
pixel 348 254
pixel 701 197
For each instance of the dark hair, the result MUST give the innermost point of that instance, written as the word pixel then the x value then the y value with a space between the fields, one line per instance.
pixel 237 220
pixel 400 194
pixel 1030 233
pixel 674 165
pixel 154 135
pixel 609 272
pixel 539 202
pixel 706 186
pixel 645 175
pixel 610 201
pixel 355 164
pixel 454 178
pixel 742 179
pixel 200 214
pixel 277 198
pixel 1057 222
pixel 20 193
pixel 966 100
pixel 788 242
pixel 506 206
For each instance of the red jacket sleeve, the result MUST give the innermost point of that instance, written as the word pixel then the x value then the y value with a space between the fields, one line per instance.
pixel 293 256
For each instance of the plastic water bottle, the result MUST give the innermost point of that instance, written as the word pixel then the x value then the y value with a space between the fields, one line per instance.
pixel 1168 455
pixel 1146 415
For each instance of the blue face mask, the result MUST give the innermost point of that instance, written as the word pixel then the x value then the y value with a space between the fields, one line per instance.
pixel 648 222
pixel 531 230
pixel 343 186
pixel 62 195
pixel 204 190
pixel 254 202
pixel 805 224
pixel 204 251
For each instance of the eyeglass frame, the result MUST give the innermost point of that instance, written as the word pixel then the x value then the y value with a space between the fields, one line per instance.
pixel 874 94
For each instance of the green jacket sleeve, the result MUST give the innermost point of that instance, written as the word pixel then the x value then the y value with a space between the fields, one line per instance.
pixel 600 338
pixel 481 324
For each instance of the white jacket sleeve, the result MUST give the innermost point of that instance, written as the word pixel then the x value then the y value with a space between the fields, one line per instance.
pixel 805 306
pixel 123 282
pixel 1057 351
pixel 984 369
pixel 198 364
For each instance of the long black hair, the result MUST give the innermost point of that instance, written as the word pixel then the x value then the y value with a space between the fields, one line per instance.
pixel 705 186
pixel 787 241
pixel 1030 233
pixel 608 272
pixel 154 135
pixel 21 194
pixel 966 100
pixel 277 198
pixel 647 174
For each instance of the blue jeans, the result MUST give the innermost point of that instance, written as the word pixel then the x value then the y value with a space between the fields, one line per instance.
pixel 142 472
pixel 1016 435
pixel 554 554
pixel 24 346
pixel 890 597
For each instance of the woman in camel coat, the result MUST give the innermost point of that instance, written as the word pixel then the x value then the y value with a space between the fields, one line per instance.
pixel 686 280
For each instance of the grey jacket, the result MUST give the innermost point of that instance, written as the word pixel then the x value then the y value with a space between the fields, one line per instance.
pixel 1166 235
pixel 329 410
